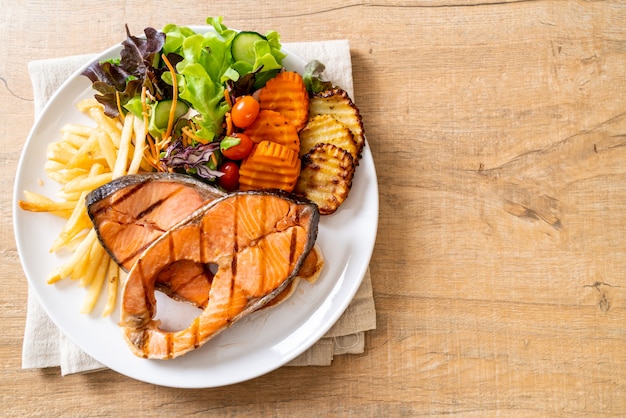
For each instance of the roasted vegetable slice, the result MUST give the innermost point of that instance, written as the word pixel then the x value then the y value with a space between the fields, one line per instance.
pixel 286 94
pixel 269 166
pixel 325 129
pixel 326 177
pixel 270 125
pixel 337 103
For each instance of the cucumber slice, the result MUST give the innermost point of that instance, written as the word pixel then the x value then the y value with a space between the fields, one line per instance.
pixel 242 47
pixel 161 113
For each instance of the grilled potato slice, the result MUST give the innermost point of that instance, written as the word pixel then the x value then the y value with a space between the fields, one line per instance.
pixel 325 129
pixel 326 177
pixel 337 103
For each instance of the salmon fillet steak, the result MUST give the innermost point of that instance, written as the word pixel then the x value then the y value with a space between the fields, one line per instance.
pixel 131 212
pixel 233 255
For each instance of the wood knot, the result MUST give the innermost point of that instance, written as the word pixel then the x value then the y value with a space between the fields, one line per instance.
pixel 603 295
pixel 537 213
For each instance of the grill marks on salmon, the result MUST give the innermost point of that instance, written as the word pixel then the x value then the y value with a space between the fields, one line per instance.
pixel 256 241
pixel 131 212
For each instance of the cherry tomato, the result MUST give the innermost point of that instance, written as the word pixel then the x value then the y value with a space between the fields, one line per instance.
pixel 244 111
pixel 230 180
pixel 239 151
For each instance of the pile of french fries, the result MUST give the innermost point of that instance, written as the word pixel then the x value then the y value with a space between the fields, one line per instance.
pixel 85 158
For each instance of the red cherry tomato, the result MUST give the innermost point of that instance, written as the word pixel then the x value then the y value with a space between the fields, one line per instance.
pixel 239 151
pixel 230 180
pixel 244 111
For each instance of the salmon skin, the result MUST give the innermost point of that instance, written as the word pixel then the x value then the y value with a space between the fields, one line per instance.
pixel 249 246
pixel 132 211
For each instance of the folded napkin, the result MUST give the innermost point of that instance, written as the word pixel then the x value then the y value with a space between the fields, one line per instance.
pixel 45 346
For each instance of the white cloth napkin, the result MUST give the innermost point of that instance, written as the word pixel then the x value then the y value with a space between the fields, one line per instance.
pixel 45 346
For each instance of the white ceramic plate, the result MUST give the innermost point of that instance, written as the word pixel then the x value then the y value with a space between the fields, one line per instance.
pixel 252 347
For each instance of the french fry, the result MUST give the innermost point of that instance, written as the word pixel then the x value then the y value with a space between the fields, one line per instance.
pixel 58 274
pixel 36 202
pixel 88 182
pixel 95 286
pixel 139 129
pixel 69 196
pixel 80 254
pixel 105 123
pixel 51 166
pixel 108 148
pixel 79 266
pixel 96 254
pixel 79 218
pixel 86 104
pixel 113 278
pixel 124 147
pixel 87 154
pixel 77 129
pixel 76 241
pixel 77 221
pixel 65 176
pixel 61 152
pixel 73 139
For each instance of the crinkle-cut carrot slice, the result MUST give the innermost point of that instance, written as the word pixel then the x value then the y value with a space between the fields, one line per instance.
pixel 270 166
pixel 273 126
pixel 286 94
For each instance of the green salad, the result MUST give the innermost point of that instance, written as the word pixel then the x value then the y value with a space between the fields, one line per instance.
pixel 183 84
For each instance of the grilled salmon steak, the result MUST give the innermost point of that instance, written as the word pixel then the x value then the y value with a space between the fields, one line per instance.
pixel 131 212
pixel 255 242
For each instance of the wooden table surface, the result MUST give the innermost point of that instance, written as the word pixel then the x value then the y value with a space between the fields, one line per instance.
pixel 498 130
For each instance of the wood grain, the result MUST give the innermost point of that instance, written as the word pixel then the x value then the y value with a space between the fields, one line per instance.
pixel 498 130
